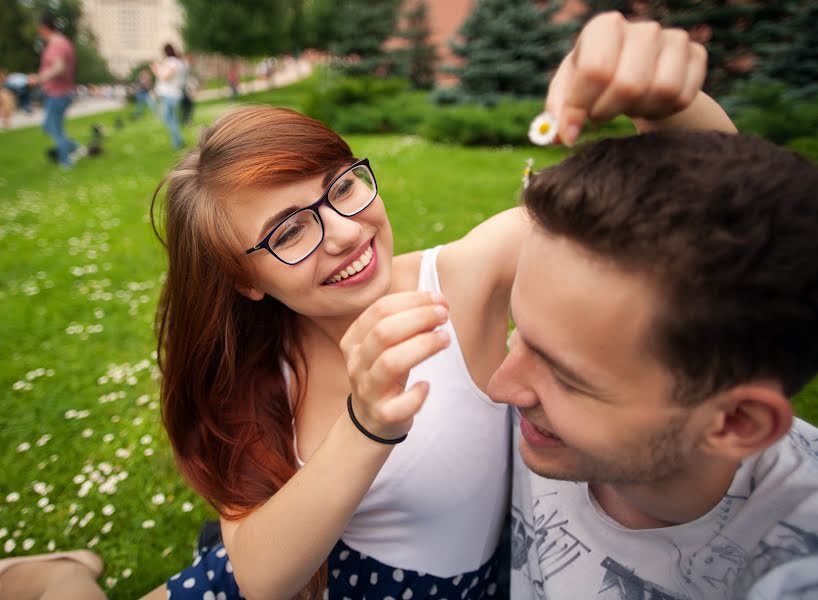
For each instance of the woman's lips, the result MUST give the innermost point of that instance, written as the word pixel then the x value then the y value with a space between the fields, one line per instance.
pixel 363 275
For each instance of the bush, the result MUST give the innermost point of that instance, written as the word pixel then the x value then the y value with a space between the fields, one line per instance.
pixel 768 109
pixel 506 123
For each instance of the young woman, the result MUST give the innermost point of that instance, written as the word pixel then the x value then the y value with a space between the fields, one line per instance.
pixel 321 393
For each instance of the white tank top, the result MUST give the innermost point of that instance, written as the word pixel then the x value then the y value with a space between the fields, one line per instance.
pixel 438 503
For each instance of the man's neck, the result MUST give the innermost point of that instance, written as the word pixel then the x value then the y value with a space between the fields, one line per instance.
pixel 681 498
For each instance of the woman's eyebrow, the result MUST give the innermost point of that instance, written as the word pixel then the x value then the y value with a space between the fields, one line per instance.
pixel 276 219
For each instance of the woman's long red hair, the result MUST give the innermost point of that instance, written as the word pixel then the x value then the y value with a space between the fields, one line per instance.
pixel 224 398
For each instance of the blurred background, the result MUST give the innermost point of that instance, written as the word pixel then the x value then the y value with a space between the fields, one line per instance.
pixel 437 93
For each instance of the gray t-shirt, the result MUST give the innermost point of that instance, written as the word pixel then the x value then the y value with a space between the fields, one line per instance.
pixel 759 542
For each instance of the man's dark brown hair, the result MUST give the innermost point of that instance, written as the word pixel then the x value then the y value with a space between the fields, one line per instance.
pixel 725 227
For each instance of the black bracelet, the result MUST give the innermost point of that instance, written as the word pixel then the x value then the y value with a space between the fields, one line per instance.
pixel 371 436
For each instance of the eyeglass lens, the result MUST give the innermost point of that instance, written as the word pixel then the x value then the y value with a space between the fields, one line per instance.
pixel 299 235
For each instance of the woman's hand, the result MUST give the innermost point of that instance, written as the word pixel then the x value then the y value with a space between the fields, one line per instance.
pixel 618 67
pixel 383 344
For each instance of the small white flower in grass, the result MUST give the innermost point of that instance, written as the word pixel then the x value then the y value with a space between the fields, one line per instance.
pixel 28 544
pixel 9 546
pixel 105 467
pixel 126 573
pixel 44 439
pixel 138 421
pixel 78 478
pixel 52 545
pixel 72 508
pixel 87 468
pixel 158 499
pixel 142 400
pixel 115 419
pixel 73 520
pixel 187 507
pixel 41 488
pixel 86 433
pixel 102 380
pixel 23 447
pixel 148 452
pixel 82 414
pixel 93 541
pixel 167 551
pixel 108 438
pixel 109 486
pixel 145 439
pixel 153 405
pixel 122 453
pixel 41 465
pixel 543 129
pixel 107 527
pixel 17 533
pixel 84 489
pixel 49 508
pixel 70 414
pixel 12 497
pixel 108 510
pixel 95 477
pixel 148 524
pixel 42 502
pixel 110 582
pixel 3 532
pixel 123 476
pixel 86 519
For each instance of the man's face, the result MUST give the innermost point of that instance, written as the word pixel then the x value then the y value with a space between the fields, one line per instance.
pixel 595 404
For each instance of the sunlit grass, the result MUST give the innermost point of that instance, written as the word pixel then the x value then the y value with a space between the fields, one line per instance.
pixel 84 459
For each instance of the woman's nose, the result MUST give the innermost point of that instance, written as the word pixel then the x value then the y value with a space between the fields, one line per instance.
pixel 339 232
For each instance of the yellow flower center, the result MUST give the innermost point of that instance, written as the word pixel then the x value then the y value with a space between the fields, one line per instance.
pixel 545 127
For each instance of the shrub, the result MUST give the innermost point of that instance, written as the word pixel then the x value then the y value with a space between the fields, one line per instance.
pixel 506 123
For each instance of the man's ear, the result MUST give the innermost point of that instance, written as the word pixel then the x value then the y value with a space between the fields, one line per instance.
pixel 747 419
pixel 249 292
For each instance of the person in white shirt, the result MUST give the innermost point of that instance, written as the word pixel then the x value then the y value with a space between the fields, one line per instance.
pixel 666 311
pixel 171 74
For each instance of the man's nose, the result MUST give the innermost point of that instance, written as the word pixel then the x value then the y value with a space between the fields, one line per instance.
pixel 339 232
pixel 509 384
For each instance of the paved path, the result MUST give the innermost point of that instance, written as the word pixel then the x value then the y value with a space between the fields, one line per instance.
pixel 290 72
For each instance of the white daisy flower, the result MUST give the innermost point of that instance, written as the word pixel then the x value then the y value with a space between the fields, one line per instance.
pixel 187 507
pixel 108 510
pixel 158 499
pixel 148 524
pixel 543 129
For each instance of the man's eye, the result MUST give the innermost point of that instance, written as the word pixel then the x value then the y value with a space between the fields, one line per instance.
pixel 566 386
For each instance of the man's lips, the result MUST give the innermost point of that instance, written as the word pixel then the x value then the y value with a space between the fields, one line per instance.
pixel 537 437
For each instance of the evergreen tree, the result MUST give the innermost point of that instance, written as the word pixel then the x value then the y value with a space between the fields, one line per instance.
pixel 17 35
pixel 792 56
pixel 360 29
pixel 418 57
pixel 509 47
pixel 247 28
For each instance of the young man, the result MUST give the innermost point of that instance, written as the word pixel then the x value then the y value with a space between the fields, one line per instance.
pixel 56 78
pixel 666 310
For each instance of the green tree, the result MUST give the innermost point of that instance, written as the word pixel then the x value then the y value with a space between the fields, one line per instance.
pixel 359 31
pixel 417 59
pixel 247 28
pixel 17 35
pixel 509 47
pixel 737 35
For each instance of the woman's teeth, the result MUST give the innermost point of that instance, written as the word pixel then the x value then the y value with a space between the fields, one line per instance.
pixel 358 265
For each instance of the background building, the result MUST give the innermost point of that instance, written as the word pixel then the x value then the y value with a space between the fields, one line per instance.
pixel 130 32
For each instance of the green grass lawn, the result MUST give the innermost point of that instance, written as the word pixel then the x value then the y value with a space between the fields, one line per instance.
pixel 83 456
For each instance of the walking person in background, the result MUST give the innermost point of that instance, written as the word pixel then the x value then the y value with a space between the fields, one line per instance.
pixel 170 79
pixel 233 79
pixel 188 90
pixel 143 97
pixel 56 79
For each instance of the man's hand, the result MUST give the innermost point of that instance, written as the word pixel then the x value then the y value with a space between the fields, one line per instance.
pixel 618 67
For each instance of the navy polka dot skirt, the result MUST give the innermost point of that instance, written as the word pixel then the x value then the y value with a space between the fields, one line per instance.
pixel 352 576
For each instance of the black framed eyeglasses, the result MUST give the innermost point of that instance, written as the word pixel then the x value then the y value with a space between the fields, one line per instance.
pixel 299 234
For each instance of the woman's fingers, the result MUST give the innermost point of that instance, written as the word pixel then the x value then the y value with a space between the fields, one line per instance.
pixel 392 418
pixel 385 307
pixel 391 368
pixel 634 72
pixel 399 327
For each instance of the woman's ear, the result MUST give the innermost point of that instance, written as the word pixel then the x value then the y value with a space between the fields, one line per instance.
pixel 249 292
pixel 748 418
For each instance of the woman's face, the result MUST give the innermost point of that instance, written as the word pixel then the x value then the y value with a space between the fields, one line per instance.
pixel 312 286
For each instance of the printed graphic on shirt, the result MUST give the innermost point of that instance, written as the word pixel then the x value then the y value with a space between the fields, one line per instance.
pixel 622 583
